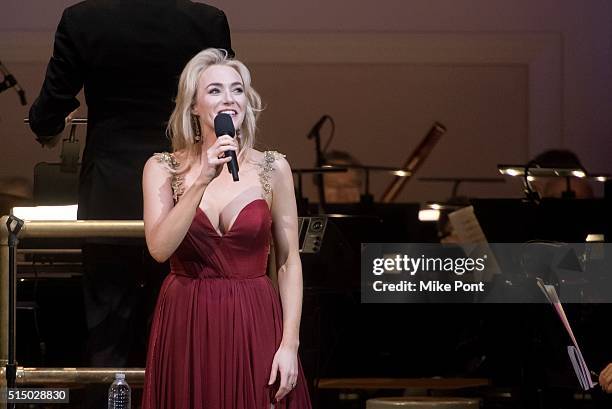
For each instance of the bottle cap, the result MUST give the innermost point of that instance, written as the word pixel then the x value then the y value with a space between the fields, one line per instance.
pixel 119 376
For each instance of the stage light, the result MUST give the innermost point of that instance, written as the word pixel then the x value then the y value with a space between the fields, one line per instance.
pixel 595 238
pixel 429 215
pixel 54 213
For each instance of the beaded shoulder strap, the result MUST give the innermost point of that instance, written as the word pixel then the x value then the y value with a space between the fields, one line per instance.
pixel 265 171
pixel 169 160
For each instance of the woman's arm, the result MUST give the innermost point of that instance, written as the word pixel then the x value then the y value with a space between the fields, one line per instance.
pixel 285 232
pixel 166 223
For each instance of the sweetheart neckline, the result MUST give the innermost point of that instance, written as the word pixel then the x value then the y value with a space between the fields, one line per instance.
pixel 231 228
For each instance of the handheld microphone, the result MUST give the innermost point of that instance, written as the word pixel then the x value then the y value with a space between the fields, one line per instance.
pixel 225 126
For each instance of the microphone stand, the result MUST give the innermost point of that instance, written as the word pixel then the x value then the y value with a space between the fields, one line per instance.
pixel 302 202
pixel 13 225
pixel 9 81
pixel 366 197
pixel 320 162
pixel 315 133
pixel 568 193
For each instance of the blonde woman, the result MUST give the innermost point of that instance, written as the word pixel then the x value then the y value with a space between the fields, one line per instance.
pixel 222 337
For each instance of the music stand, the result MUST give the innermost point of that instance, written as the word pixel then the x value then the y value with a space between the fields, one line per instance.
pixel 366 196
pixel 529 172
pixel 57 183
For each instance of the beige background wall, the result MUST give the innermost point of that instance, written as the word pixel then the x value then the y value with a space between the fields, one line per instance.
pixel 508 79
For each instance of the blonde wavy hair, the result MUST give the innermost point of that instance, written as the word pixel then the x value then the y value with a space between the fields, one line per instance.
pixel 180 130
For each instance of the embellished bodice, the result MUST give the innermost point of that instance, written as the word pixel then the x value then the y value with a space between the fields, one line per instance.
pixel 266 166
pixel 242 251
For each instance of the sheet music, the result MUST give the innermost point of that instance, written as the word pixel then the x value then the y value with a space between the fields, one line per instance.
pixel 580 367
pixel 470 234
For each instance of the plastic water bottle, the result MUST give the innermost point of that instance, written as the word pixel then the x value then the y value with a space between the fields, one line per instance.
pixel 119 393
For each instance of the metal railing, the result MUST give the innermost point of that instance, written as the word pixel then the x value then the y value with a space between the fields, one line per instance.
pixel 52 230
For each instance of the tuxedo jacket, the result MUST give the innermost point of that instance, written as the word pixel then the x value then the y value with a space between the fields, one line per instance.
pixel 128 56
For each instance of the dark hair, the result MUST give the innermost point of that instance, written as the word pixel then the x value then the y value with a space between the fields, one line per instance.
pixel 343 157
pixel 558 158
pixel 555 187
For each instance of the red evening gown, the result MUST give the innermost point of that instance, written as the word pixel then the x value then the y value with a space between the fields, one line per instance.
pixel 218 321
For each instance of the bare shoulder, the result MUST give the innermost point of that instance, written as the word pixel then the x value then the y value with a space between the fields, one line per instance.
pixel 269 160
pixel 281 165
pixel 160 160
pixel 160 172
pixel 160 166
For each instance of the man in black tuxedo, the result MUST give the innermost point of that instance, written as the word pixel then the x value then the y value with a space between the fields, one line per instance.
pixel 127 55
